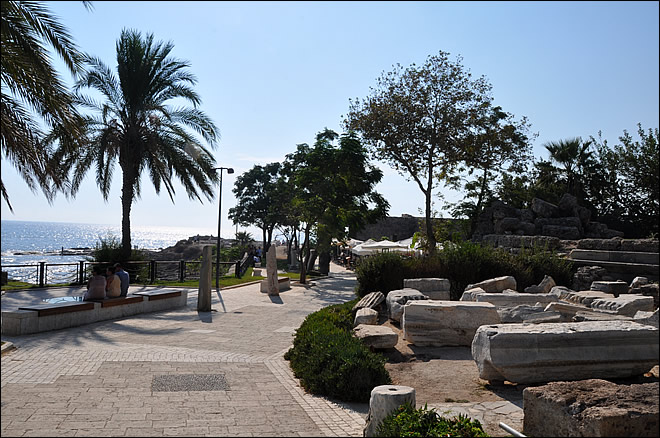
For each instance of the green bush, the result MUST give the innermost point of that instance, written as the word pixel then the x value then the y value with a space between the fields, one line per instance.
pixel 410 422
pixel 330 361
pixel 382 272
pixel 463 263
pixel 109 249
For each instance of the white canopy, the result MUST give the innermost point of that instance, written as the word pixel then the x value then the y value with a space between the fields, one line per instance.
pixel 372 247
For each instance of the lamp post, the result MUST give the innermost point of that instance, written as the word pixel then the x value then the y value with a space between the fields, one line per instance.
pixel 217 255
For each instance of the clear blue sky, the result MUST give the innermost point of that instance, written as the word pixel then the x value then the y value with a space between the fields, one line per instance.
pixel 273 74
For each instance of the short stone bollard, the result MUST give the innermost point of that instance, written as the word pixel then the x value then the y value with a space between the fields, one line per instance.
pixel 384 400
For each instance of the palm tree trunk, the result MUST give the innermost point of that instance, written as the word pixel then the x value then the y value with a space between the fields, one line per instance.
pixel 126 204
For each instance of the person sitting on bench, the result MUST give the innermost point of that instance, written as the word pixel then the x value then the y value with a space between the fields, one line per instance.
pixel 95 286
pixel 123 278
pixel 113 285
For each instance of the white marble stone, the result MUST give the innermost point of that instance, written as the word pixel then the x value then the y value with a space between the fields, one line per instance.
pixel 397 299
pixel 384 400
pixel 376 336
pixel 367 316
pixel 497 284
pixel 445 323
pixel 533 353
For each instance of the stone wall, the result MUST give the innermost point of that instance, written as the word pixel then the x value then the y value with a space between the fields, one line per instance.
pixel 566 221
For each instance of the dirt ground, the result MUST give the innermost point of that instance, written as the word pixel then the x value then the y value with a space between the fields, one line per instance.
pixel 450 375
pixel 443 374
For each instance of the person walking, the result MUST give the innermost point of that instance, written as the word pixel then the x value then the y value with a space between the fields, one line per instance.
pixel 123 279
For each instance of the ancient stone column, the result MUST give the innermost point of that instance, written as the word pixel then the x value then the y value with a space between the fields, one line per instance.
pixel 271 271
pixel 384 400
pixel 204 294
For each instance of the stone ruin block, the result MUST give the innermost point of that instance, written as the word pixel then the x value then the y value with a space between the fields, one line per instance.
pixel 585 297
pixel 543 208
pixel 397 299
pixel 495 284
pixel 648 318
pixel 543 287
pixel 445 323
pixel 509 298
pixel 372 300
pixel 561 232
pixel 626 305
pixel 525 313
pixel 376 336
pixel 648 290
pixel 591 408
pixel 367 316
pixel 470 294
pixel 528 353
pixel 640 245
pixel 615 288
pixel 434 288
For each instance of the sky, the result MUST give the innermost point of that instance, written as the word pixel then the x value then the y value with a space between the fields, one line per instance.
pixel 272 75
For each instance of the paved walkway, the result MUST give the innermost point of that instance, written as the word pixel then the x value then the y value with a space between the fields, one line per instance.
pixel 150 375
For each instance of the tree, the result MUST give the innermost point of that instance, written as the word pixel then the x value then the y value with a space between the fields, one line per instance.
pixel 574 158
pixel 257 200
pixel 31 87
pixel 499 146
pixel 334 188
pixel 136 125
pixel 419 120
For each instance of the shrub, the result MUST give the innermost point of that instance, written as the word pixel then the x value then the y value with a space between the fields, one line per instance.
pixel 379 273
pixel 109 249
pixel 410 422
pixel 330 361
pixel 463 263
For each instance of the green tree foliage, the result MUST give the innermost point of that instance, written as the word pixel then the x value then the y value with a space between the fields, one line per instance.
pixel 258 200
pixel 333 188
pixel 574 161
pixel 419 120
pixel 137 125
pixel 500 146
pixel 33 93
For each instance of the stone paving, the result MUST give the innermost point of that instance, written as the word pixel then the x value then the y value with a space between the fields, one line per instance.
pixel 96 380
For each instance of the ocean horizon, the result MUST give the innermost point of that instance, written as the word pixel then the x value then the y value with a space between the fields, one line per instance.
pixel 34 241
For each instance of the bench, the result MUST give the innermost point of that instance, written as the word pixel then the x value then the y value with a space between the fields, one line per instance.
pixel 159 295
pixel 119 301
pixel 59 308
pixel 44 317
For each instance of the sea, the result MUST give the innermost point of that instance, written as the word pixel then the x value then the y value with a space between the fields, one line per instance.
pixel 28 243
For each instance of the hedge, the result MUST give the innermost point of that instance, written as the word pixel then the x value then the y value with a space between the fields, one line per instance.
pixel 462 263
pixel 330 361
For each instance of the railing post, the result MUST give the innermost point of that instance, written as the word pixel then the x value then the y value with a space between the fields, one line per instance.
pixel 152 271
pixel 42 273
pixel 238 269
pixel 182 270
pixel 81 273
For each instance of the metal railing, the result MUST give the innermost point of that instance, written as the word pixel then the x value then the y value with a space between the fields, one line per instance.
pixel 141 272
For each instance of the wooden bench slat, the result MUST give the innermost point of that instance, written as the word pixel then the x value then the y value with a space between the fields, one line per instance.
pixel 56 309
pixel 119 301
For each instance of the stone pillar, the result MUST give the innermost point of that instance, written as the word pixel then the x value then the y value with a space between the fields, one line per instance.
pixel 295 264
pixel 204 294
pixel 384 400
pixel 271 271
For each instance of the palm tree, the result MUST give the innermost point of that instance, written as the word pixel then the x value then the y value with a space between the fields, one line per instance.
pixel 575 158
pixel 136 126
pixel 33 93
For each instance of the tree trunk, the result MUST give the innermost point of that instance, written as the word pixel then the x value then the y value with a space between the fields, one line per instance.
pixel 126 204
pixel 428 193
pixel 324 262
pixel 304 256
pixel 263 240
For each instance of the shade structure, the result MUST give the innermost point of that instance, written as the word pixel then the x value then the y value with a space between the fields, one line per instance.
pixel 372 247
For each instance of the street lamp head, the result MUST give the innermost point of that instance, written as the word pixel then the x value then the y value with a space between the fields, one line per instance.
pixel 230 170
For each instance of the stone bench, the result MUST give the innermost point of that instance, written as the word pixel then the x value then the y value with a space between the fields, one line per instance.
pixel 525 353
pixel 44 317
pixel 445 323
